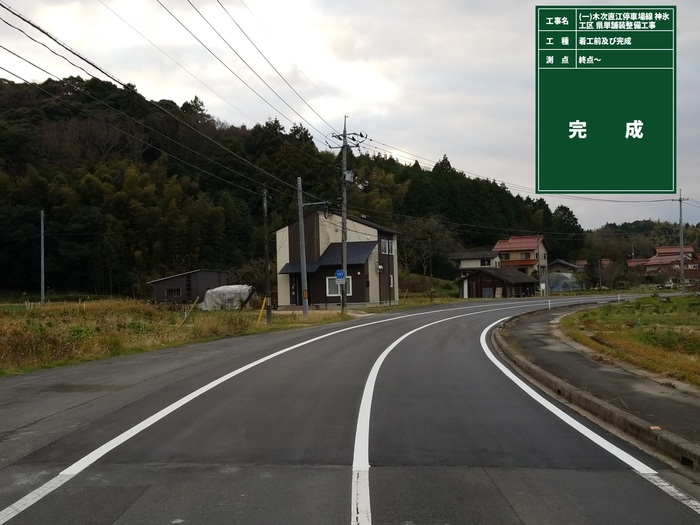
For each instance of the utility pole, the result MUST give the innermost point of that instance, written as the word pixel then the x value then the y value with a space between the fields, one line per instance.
pixel 682 247
pixel 346 178
pixel 43 282
pixel 268 294
pixel 344 221
pixel 302 252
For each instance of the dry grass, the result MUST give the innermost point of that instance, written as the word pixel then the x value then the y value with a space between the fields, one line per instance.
pixel 61 333
pixel 661 337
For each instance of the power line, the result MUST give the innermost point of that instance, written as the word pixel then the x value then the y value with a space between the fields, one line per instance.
pixel 195 77
pixel 222 62
pixel 133 91
pixel 247 65
pixel 131 135
pixel 273 67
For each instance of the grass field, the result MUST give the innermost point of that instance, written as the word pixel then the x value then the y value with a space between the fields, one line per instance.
pixel 61 333
pixel 662 336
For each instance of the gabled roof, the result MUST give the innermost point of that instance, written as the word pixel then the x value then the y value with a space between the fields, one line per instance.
pixel 673 250
pixel 562 262
pixel 518 243
pixel 507 275
pixel 378 227
pixel 358 253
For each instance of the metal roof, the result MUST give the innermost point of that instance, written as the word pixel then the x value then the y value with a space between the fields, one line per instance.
pixel 358 253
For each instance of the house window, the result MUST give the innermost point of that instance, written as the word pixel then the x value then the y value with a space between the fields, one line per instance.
pixel 505 256
pixel 387 246
pixel 524 255
pixel 333 290
pixel 172 292
pixel 485 262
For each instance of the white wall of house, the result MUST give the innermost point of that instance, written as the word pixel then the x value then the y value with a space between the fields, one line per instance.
pixel 330 231
pixel 283 285
pixel 373 264
pixel 470 264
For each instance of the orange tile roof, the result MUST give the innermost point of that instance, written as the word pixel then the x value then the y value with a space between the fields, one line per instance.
pixel 673 250
pixel 517 243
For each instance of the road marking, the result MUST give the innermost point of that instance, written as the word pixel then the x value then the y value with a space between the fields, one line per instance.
pixel 80 465
pixel 639 467
pixel 361 508
pixel 83 463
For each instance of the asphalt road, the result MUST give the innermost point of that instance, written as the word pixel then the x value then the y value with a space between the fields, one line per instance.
pixel 406 418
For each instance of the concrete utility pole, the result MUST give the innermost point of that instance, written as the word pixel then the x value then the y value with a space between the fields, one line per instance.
pixel 682 248
pixel 302 252
pixel 268 294
pixel 344 221
pixel 43 282
pixel 347 177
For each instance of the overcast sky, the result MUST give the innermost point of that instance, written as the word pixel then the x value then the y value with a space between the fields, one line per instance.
pixel 421 79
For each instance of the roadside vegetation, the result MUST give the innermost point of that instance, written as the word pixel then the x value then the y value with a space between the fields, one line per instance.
pixel 657 334
pixel 59 333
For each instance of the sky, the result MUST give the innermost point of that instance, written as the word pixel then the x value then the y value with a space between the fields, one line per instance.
pixel 422 80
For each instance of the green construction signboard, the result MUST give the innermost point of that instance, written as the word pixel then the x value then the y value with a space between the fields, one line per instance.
pixel 605 99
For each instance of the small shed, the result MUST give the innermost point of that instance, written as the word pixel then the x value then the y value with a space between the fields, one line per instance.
pixel 186 287
pixel 490 283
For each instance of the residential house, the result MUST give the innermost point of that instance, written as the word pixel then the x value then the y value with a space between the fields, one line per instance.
pixel 372 265
pixel 188 286
pixel 469 262
pixel 525 253
pixel 562 266
pixel 472 260
pixel 666 263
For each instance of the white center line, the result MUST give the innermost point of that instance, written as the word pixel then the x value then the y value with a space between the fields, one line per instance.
pixel 83 463
pixel 361 508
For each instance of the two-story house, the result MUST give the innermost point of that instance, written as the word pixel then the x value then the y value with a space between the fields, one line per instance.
pixel 372 265
pixel 472 260
pixel 525 253
pixel 667 262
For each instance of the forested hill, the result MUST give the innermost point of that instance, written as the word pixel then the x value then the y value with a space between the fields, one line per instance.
pixel 133 190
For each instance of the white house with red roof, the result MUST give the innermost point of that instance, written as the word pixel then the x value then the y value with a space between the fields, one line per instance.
pixel 525 253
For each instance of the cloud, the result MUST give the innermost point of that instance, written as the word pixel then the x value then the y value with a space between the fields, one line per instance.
pixel 448 77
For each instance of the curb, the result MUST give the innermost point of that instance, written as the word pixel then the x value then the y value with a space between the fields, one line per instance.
pixel 669 444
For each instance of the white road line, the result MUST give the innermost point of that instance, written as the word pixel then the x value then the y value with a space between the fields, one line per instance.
pixel 83 463
pixel 361 508
pixel 80 465
pixel 640 468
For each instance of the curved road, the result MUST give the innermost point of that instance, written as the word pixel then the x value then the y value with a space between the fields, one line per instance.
pixel 406 418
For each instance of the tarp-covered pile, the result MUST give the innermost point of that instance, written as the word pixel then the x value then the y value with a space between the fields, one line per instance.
pixel 230 297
